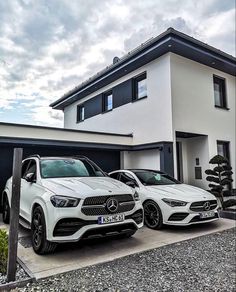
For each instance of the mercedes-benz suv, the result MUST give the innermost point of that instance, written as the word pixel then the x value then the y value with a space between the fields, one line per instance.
pixel 65 199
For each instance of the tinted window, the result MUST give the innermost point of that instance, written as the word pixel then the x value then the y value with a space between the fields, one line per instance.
pixel 80 113
pixel 24 167
pixel 126 177
pixel 51 168
pixel 219 92
pixel 150 178
pixel 114 175
pixel 140 86
pixel 31 168
pixel 108 101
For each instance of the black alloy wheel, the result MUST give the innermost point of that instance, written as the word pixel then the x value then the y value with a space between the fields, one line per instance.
pixel 38 233
pixel 152 215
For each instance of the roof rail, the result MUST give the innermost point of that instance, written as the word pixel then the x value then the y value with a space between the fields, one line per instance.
pixel 34 155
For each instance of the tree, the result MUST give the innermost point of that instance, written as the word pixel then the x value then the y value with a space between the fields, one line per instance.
pixel 219 176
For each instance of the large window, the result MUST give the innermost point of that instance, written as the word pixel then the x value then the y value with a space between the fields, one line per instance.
pixel 107 101
pixel 220 92
pixel 80 113
pixel 223 149
pixel 140 87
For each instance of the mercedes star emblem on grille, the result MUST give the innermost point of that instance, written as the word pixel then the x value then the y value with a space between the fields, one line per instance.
pixel 207 206
pixel 112 205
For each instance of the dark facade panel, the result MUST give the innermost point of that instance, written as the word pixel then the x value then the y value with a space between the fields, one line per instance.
pixel 93 106
pixel 122 93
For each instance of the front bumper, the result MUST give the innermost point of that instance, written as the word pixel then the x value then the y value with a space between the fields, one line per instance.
pixel 183 216
pixel 70 224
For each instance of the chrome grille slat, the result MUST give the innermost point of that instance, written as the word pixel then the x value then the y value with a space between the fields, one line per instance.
pixel 199 206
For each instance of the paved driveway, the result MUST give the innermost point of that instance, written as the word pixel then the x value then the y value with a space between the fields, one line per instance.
pixel 74 256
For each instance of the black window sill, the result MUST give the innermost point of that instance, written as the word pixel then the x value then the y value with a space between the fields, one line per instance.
pixel 107 111
pixel 77 122
pixel 222 107
pixel 137 99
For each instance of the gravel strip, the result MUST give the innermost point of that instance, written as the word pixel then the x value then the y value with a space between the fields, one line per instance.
pixel 20 275
pixel 205 263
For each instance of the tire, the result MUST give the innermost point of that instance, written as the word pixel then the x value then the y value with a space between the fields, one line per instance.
pixel 38 233
pixel 152 215
pixel 5 210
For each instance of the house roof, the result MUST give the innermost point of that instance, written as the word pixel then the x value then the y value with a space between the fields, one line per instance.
pixel 169 41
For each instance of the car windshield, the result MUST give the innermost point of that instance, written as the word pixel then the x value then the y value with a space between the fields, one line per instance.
pixel 150 178
pixel 68 167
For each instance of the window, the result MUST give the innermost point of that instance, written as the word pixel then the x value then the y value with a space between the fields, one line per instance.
pixel 223 149
pixel 80 113
pixel 152 178
pixel 115 175
pixel 107 101
pixel 31 169
pixel 140 87
pixel 52 168
pixel 219 92
pixel 126 177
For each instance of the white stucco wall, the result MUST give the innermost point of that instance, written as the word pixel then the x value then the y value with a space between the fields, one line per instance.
pixel 149 159
pixel 193 105
pixel 149 119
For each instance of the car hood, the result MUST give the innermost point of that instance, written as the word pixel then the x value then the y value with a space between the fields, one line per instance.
pixel 181 192
pixel 83 187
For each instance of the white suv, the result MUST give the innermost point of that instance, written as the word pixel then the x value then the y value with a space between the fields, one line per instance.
pixel 69 198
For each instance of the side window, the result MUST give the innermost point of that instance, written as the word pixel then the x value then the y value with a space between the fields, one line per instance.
pixel 126 177
pixel 31 168
pixel 24 167
pixel 115 175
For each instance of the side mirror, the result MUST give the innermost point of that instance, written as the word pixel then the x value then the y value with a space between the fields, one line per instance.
pixel 29 177
pixel 131 184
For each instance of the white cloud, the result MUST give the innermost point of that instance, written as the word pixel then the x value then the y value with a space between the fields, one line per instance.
pixel 49 47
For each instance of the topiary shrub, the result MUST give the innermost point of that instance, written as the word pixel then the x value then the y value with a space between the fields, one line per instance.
pixel 3 251
pixel 219 177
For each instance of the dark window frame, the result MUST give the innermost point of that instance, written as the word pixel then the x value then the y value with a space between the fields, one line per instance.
pixel 79 118
pixel 135 82
pixel 223 92
pixel 104 101
pixel 226 146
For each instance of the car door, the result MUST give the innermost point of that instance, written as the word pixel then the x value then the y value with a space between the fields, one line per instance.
pixel 27 189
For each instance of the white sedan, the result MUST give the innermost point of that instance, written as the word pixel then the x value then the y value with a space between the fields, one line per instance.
pixel 167 201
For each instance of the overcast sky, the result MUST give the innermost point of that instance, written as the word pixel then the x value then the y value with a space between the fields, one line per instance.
pixel 47 47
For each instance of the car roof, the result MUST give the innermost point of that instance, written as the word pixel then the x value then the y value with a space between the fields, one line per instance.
pixel 56 157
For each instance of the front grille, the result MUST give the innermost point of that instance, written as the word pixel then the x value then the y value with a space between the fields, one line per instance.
pixel 94 206
pixel 199 206
pixel 102 199
pixel 198 219
pixel 178 216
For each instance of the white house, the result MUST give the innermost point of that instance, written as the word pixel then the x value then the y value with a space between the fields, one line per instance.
pixel 174 94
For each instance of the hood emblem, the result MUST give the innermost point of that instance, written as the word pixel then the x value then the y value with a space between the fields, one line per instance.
pixel 112 205
pixel 207 206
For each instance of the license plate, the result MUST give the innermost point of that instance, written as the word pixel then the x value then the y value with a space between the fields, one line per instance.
pixel 111 219
pixel 207 214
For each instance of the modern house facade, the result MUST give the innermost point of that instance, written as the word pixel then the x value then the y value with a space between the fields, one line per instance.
pixel 174 94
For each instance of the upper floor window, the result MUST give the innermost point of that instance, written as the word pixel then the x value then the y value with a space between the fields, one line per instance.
pixel 220 92
pixel 107 101
pixel 140 87
pixel 80 113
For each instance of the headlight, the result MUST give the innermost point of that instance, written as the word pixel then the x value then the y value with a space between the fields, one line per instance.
pixel 174 203
pixel 136 196
pixel 63 202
